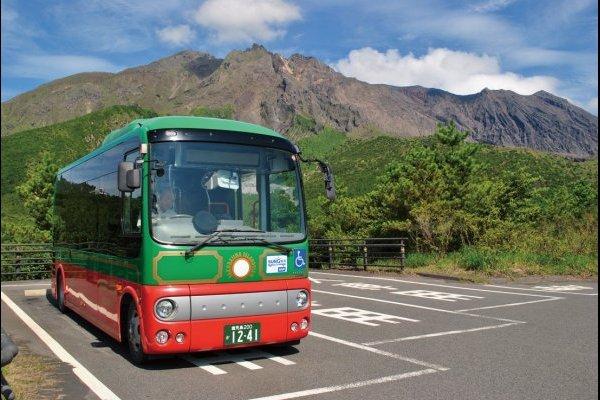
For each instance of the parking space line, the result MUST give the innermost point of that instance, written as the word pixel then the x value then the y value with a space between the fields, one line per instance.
pixel 510 304
pixel 248 364
pixel 359 316
pixel 441 296
pixel 463 313
pixel 281 360
pixel 205 365
pixel 209 364
pixel 79 370
pixel 437 334
pixel 430 284
pixel 378 351
pixel 540 290
pixel 337 388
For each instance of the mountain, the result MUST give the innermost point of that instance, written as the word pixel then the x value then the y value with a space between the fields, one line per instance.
pixel 266 88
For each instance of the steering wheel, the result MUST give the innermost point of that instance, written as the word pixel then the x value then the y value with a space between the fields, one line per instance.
pixel 204 222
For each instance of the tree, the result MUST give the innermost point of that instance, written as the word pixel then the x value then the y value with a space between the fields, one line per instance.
pixel 37 189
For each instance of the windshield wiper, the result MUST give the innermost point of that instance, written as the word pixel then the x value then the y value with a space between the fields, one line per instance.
pixel 190 252
pixel 277 246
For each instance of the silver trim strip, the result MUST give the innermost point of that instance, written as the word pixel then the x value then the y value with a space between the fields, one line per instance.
pixel 233 305
pixel 238 304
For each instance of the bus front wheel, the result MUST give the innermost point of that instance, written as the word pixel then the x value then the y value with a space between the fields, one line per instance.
pixel 134 337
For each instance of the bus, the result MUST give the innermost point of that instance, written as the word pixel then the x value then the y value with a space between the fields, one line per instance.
pixel 184 234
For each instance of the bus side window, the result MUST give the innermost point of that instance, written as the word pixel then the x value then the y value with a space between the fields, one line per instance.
pixel 132 204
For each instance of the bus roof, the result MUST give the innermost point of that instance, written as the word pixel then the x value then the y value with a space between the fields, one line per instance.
pixel 187 122
pixel 173 122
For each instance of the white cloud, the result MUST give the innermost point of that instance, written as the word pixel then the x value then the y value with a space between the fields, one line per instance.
pixel 492 5
pixel 176 35
pixel 246 20
pixel 455 71
pixel 48 66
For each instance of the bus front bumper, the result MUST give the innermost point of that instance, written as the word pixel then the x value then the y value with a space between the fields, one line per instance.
pixel 205 311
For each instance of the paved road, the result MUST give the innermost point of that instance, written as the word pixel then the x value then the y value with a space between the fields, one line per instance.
pixel 373 337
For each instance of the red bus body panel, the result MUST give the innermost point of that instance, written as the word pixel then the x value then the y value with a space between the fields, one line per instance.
pixel 98 297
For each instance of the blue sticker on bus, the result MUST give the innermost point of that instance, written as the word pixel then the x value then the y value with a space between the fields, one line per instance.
pixel 300 259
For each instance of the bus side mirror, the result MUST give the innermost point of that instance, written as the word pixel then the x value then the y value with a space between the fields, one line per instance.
pixel 129 176
pixel 326 170
pixel 329 184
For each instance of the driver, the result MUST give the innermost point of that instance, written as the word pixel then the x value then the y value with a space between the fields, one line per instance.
pixel 165 204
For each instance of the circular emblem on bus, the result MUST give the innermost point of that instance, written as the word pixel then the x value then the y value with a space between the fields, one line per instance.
pixel 241 265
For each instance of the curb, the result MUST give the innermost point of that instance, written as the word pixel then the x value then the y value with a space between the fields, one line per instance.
pixel 445 277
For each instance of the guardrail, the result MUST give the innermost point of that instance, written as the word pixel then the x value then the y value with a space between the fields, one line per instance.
pixel 25 260
pixel 357 253
pixel 33 260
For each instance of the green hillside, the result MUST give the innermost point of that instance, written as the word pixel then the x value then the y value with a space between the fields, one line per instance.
pixel 466 208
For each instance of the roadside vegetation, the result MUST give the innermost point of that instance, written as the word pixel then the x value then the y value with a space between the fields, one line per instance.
pixel 32 377
pixel 467 209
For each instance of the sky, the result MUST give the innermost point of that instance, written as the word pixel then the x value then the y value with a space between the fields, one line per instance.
pixel 459 46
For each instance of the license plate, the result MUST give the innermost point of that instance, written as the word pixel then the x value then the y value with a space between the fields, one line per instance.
pixel 241 333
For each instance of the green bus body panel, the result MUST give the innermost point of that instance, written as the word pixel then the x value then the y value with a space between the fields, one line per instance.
pixel 160 264
pixel 167 265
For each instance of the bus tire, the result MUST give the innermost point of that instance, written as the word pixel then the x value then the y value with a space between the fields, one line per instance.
pixel 60 295
pixel 134 337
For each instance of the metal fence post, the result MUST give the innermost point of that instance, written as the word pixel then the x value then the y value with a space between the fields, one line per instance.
pixel 365 256
pixel 402 254
pixel 330 251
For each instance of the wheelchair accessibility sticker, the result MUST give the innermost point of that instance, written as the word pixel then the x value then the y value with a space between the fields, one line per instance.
pixel 299 259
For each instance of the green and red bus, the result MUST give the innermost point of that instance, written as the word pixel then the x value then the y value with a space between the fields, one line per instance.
pixel 184 234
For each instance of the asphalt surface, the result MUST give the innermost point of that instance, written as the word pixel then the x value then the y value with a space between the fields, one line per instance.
pixel 372 337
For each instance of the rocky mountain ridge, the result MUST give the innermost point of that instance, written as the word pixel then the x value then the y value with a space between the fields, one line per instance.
pixel 271 90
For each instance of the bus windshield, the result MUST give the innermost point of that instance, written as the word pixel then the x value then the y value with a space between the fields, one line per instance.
pixel 198 188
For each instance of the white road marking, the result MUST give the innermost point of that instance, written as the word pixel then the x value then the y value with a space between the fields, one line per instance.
pixel 562 288
pixel 364 286
pixel 430 335
pixel 281 360
pixel 79 370
pixel 510 304
pixel 248 364
pixel 422 307
pixel 337 388
pixel 539 290
pixel 313 280
pixel 428 294
pixel 378 351
pixel 359 316
pixel 205 365
pixel 431 284
pixel 25 284
pixel 315 303
pixel 34 292
pixel 208 363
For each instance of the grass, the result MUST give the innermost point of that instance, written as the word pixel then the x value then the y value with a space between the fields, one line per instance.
pixel 480 265
pixel 31 377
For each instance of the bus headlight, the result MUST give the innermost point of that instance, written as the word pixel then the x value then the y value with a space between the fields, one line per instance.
pixel 165 309
pixel 301 299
